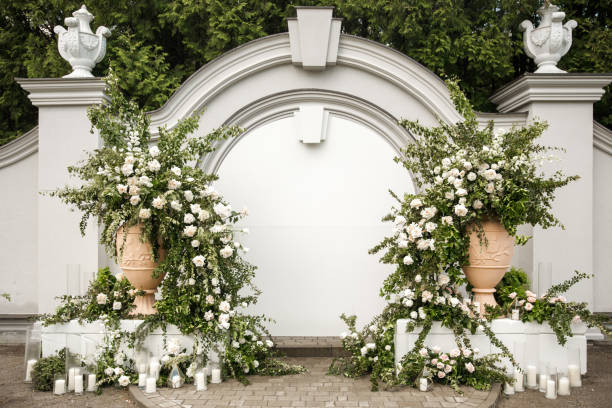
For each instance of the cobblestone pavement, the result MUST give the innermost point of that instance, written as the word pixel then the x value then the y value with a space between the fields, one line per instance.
pixel 313 389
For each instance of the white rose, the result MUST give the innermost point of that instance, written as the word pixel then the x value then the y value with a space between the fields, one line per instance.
pixel 428 212
pixel 173 184
pixel 460 210
pixel 188 195
pixel 101 298
pixel 124 381
pixel 222 211
pixel 402 243
pixel 438 180
pixel 118 370
pixel 227 251
pixel 461 192
pixel 467 165
pixel 414 314
pixel 462 201
pixel 190 230
pixel 448 220
pixel 109 371
pixel 176 205
pixel 208 316
pixel 437 170
pixel 214 281
pixel 446 162
pixel 188 218
pixel 430 226
pixel 153 165
pixel 490 188
pixel 490 174
pixel 477 204
pixel 224 321
pixel 471 176
pixel 204 215
pixel 116 305
pixel 195 208
pixel 122 188
pixel 443 280
pixel 198 261
pixel 144 213
pixel 175 170
pixel 224 306
pixel 154 151
pixel 195 243
pixel 269 343
pixel 458 183
pixel 418 278
pixel 416 203
pixel 449 195
pixel 159 202
pixel 134 200
pixel 191 281
pixel 408 260
pixel 255 363
pixel 127 169
pixel 134 189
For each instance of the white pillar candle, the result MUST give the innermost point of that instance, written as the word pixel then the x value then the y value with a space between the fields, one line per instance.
pixel 154 369
pixel 151 385
pixel 423 384
pixel 78 384
pixel 564 386
pixel 551 389
pixel 176 381
pixel 60 387
pixel 91 382
pixel 508 389
pixel 532 379
pixel 518 381
pixel 543 382
pixel 215 376
pixel 71 379
pixel 200 381
pixel 29 368
pixel 142 380
pixel 515 314
pixel 574 375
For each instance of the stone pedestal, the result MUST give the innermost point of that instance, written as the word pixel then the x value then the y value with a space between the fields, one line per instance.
pixel 85 339
pixel 535 336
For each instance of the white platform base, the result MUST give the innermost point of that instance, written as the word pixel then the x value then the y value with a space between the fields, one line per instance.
pixel 537 337
pixel 85 339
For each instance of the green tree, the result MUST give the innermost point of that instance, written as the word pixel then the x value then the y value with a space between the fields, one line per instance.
pixel 156 44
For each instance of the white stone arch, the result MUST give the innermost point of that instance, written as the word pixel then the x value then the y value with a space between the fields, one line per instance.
pixel 364 70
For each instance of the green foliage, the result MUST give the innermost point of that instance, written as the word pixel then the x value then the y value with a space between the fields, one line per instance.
pixel 46 368
pixel 107 297
pixel 163 42
pixel 552 307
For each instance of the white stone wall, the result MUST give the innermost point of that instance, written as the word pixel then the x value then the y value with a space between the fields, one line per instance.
pixel 18 236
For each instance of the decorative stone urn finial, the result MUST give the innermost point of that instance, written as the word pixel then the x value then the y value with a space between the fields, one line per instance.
pixel 550 41
pixel 79 45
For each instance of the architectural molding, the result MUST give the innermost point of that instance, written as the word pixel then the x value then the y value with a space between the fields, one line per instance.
pixel 64 91
pixel 20 148
pixel 602 137
pixel 362 55
pixel 314 37
pixel 504 120
pixel 287 104
pixel 568 87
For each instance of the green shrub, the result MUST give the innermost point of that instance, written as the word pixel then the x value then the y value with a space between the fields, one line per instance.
pixel 45 369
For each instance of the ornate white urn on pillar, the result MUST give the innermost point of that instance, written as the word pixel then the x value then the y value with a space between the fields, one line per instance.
pixel 79 45
pixel 550 41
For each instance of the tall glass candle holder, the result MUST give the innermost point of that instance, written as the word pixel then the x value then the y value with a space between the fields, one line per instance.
pixel 154 367
pixel 32 350
pixel 59 384
pixel 519 374
pixel 92 381
pixel 509 386
pixel 574 367
pixel 542 376
pixel 79 381
pixel 199 379
pixel 563 388
pixel 531 369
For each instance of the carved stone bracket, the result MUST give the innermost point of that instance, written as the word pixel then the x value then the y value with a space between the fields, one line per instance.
pixel 314 36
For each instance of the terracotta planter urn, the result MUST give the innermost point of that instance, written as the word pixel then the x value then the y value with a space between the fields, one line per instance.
pixel 137 265
pixel 489 261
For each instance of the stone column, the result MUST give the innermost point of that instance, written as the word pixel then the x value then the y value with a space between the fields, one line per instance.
pixel 565 101
pixel 64 137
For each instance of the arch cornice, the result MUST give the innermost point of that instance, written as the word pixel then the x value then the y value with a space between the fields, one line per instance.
pixel 265 53
pixel 286 104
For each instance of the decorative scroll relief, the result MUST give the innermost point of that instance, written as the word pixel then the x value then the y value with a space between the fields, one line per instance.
pixel 314 37
pixel 311 123
pixel 550 41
